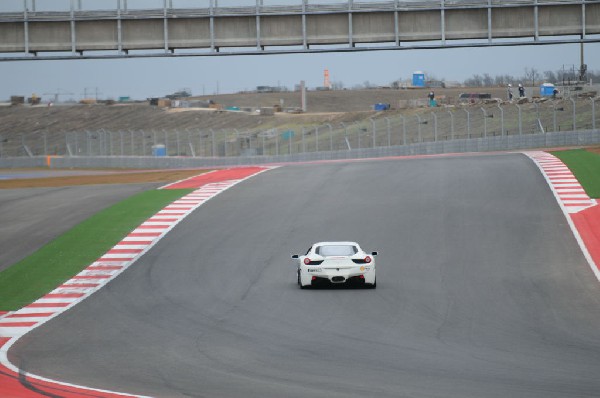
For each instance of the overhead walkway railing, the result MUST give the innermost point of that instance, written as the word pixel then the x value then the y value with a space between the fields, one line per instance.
pixel 304 27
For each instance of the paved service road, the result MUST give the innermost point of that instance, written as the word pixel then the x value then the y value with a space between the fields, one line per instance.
pixel 32 217
pixel 482 292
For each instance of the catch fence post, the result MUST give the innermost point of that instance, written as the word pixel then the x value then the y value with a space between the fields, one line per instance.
pixel 110 143
pixel 403 130
pixel 89 142
pixel 484 122
pixel 166 142
pixel 358 130
pixel 303 140
pixel 501 119
pixel 574 114
pixel 389 131
pixel 122 143
pixel 451 124
pixel 213 150
pixel 593 113
pixel 520 120
pixel 419 128
pixel 374 128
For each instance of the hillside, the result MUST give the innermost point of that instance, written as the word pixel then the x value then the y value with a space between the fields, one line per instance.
pixel 323 107
pixel 342 118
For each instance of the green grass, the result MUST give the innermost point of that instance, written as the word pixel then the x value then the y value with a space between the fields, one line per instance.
pixel 586 168
pixel 67 255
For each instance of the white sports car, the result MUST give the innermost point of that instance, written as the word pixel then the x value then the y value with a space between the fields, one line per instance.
pixel 336 262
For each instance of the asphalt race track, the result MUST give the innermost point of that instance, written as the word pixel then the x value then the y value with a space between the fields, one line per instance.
pixel 482 292
pixel 51 212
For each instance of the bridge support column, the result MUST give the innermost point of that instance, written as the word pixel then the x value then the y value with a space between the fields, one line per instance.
pixel 350 38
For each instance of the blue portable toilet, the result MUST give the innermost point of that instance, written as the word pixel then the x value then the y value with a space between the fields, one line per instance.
pixel 418 79
pixel 547 90
pixel 287 135
pixel 381 107
pixel 159 150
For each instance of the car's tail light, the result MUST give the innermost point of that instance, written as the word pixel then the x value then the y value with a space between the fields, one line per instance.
pixel 367 259
pixel 308 261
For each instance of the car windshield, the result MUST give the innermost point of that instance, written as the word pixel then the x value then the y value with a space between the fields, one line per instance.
pixel 336 250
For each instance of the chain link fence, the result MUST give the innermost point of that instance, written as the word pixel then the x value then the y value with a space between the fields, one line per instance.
pixel 381 131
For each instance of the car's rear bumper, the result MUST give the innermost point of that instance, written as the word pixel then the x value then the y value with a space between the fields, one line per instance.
pixel 315 275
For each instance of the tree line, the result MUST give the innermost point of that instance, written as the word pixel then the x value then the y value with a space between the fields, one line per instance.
pixel 533 77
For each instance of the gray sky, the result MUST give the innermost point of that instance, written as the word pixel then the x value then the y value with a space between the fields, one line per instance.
pixel 142 78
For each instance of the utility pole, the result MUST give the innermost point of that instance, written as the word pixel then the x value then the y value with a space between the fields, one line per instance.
pixel 583 66
pixel 58 93
pixel 96 92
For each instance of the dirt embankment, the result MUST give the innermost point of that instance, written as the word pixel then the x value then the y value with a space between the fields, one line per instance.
pixel 323 107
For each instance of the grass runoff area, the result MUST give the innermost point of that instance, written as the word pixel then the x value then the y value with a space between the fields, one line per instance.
pixel 64 257
pixel 585 165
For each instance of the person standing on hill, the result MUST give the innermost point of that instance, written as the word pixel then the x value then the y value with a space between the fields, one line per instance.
pixel 509 92
pixel 521 91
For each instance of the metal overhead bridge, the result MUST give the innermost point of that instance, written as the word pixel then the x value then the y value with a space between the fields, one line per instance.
pixel 123 32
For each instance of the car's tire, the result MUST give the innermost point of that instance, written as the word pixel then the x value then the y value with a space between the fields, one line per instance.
pixel 300 281
pixel 372 286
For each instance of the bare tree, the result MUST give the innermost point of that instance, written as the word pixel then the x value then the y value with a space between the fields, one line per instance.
pixel 474 81
pixel 487 80
pixel 337 85
pixel 550 76
pixel 531 74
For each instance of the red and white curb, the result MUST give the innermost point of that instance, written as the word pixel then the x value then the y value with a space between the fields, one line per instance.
pixel 563 183
pixel 14 325
pixel 574 202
